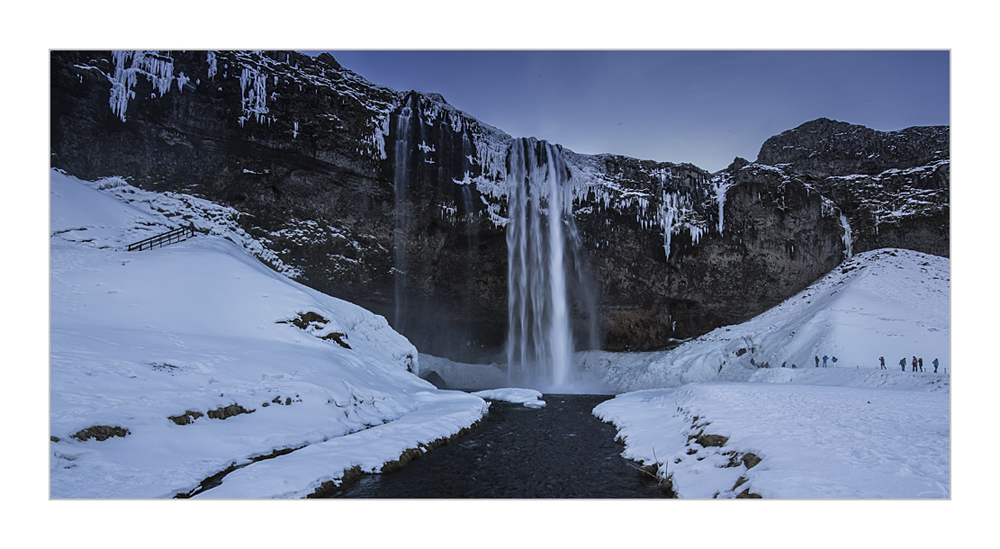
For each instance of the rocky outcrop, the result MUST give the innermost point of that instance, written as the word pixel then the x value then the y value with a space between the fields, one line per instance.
pixel 397 201
pixel 892 186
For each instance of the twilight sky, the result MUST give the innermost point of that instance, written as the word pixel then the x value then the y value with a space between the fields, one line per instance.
pixel 702 107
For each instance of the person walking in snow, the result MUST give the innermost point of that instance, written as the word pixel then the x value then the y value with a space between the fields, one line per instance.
pixel 914 364
pixel 825 358
pixel 935 363
pixel 817 361
pixel 902 363
pixel 881 362
pixel 920 363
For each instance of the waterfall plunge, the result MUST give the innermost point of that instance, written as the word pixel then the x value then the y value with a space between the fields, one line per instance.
pixel 401 183
pixel 541 233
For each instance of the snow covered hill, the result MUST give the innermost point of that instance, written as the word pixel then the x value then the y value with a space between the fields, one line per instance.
pixel 172 365
pixel 745 412
pixel 887 303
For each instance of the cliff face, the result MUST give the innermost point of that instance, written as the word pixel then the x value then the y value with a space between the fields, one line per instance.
pixel 398 202
pixel 892 186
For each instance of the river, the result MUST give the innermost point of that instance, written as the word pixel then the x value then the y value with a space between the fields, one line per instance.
pixel 559 451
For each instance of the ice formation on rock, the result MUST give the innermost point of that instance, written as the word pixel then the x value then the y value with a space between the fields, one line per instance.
pixel 129 64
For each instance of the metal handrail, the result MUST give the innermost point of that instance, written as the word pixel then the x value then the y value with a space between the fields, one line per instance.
pixel 164 239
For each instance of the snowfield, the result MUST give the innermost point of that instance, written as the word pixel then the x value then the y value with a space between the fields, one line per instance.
pixel 151 345
pixel 848 430
pixel 813 442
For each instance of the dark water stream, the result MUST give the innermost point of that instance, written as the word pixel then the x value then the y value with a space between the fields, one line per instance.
pixel 559 451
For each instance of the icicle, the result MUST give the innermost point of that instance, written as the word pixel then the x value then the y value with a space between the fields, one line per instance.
pixel 158 70
pixel 848 240
pixel 252 86
pixel 721 187
pixel 211 65
pixel 668 217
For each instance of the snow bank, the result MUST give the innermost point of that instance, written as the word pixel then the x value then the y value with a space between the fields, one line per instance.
pixel 889 303
pixel 529 397
pixel 155 343
pixel 301 473
pixel 812 442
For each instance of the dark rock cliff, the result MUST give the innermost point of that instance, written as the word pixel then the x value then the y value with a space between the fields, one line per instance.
pixel 397 201
pixel 892 186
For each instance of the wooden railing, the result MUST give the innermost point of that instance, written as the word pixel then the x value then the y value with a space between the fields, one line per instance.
pixel 164 239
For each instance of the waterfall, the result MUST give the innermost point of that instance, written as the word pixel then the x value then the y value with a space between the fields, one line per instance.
pixel 401 182
pixel 541 235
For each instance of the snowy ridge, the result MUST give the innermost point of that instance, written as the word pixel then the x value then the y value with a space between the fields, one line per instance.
pixel 223 362
pixel 890 303
pixel 165 211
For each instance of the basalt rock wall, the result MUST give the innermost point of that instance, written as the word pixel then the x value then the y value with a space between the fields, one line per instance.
pixel 893 186
pixel 397 201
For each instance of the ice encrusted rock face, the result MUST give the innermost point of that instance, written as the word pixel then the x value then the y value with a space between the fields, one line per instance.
pixel 893 186
pixel 309 151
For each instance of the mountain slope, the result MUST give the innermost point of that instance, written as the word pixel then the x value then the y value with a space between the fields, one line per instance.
pixel 781 427
pixel 171 365
pixel 890 303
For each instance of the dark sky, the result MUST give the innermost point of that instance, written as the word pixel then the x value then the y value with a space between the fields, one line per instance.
pixel 702 107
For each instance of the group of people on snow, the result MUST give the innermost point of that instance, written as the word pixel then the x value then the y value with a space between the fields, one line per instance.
pixel 917 364
pixel 825 358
